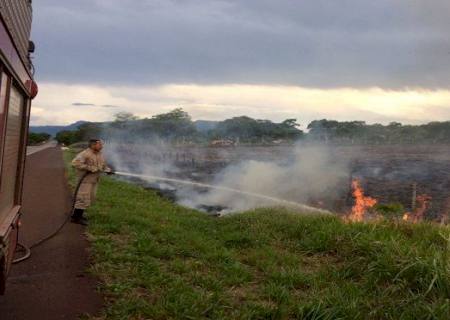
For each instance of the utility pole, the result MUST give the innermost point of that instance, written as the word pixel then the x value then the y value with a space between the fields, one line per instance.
pixel 414 197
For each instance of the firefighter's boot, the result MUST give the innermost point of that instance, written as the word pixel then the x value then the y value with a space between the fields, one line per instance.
pixel 77 217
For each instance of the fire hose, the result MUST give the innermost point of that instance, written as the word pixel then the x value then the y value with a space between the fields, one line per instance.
pixel 290 203
pixel 27 249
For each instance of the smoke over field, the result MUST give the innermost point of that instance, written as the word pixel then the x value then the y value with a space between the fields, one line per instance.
pixel 307 175
pixel 320 176
pixel 299 173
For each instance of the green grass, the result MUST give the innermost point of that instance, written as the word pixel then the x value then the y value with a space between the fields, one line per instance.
pixel 157 260
pixel 68 155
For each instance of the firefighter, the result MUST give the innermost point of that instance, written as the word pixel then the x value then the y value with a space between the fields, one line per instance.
pixel 89 165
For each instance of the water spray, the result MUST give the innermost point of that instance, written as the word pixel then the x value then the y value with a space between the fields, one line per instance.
pixel 286 203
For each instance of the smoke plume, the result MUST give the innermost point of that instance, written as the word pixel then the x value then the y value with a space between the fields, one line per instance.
pixel 305 174
pixel 311 176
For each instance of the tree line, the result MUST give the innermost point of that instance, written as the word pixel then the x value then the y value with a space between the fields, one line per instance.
pixel 359 132
pixel 37 138
pixel 177 126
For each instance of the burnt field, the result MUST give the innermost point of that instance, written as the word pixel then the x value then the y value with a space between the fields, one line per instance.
pixel 390 174
pixel 399 174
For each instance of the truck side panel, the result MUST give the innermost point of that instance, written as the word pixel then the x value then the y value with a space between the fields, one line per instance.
pixel 16 90
pixel 18 15
pixel 11 151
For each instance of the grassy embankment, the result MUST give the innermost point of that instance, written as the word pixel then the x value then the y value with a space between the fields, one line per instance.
pixel 157 260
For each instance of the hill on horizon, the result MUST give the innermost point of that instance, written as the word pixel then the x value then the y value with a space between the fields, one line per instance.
pixel 53 130
pixel 201 125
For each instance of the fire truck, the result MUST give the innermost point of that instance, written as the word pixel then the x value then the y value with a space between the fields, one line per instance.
pixel 17 89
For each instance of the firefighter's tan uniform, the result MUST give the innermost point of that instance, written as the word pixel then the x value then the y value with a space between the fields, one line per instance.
pixel 94 163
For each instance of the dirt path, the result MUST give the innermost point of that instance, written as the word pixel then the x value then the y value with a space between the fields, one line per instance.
pixel 53 284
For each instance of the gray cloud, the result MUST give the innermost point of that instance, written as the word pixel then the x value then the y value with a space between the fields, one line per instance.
pixel 82 104
pixel 109 106
pixel 355 43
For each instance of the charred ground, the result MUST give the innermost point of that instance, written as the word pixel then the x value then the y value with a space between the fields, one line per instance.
pixel 391 174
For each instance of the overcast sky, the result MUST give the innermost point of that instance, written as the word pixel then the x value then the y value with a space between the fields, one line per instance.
pixel 380 61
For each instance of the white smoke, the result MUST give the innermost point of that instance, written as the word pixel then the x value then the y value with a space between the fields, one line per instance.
pixel 313 175
pixel 141 157
pixel 305 174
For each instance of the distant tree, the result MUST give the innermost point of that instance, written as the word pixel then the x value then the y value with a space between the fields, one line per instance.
pixel 37 138
pixel 349 131
pixel 123 120
pixel 250 130
pixel 289 129
pixel 291 123
pixel 394 125
pixel 177 114
pixel 243 128
pixel 323 130
pixel 68 137
pixel 437 132
pixel 90 130
pixel 393 133
pixel 176 124
pixel 125 117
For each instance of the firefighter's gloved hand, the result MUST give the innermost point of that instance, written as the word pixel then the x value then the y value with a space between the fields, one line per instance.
pixel 110 171
pixel 92 169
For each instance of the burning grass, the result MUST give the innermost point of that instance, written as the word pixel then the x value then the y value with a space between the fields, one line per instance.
pixel 157 260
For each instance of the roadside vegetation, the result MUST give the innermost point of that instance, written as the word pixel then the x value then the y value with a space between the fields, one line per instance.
pixel 68 137
pixel 37 138
pixel 157 260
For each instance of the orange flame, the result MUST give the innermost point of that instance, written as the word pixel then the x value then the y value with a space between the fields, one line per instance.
pixel 362 203
pixel 418 214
